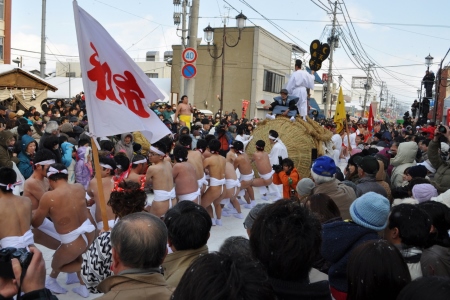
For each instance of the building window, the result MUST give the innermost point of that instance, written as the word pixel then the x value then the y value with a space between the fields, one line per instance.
pixel 273 82
pixel 152 75
pixel 70 74
pixel 1 47
pixel 2 7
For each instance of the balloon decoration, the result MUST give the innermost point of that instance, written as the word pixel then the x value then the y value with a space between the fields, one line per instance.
pixel 319 52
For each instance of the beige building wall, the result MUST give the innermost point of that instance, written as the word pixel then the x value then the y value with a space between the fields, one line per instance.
pixel 2 39
pixel 271 54
pixel 160 68
pixel 258 50
pixel 238 71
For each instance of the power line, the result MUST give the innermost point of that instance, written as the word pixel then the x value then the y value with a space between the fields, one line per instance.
pixel 132 14
pixel 321 7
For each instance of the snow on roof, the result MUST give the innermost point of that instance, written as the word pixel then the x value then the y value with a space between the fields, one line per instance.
pixel 75 85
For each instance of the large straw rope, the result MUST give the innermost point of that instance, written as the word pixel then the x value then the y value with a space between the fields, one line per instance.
pixel 300 137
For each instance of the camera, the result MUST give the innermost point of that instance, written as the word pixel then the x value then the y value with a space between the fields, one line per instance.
pixel 442 129
pixel 6 254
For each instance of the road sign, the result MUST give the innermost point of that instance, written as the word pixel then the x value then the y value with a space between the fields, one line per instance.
pixel 189 71
pixel 189 55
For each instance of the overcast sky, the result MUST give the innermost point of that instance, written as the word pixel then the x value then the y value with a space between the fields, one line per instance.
pixel 387 33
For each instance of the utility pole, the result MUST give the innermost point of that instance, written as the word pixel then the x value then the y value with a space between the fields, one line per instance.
pixel 387 98
pixel 183 44
pixel 42 61
pixel 366 86
pixel 193 29
pixel 330 68
pixel 381 96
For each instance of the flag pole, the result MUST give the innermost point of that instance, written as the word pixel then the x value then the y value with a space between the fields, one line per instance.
pixel 348 135
pixel 98 177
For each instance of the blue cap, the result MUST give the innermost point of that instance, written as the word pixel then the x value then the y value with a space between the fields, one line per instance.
pixel 371 210
pixel 324 166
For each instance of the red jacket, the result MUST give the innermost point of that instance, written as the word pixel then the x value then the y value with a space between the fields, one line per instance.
pixel 430 130
pixel 282 178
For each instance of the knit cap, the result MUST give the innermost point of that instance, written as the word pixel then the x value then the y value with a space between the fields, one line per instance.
pixel 423 192
pixel 251 217
pixel 418 171
pixel 371 210
pixel 305 186
pixel 66 127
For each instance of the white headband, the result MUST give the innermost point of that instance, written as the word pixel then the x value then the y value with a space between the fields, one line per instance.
pixel 46 162
pixel 273 138
pixel 142 161
pixel 11 186
pixel 52 171
pixel 106 166
pixel 157 151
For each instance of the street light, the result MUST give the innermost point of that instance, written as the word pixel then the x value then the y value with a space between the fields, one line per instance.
pixel 209 38
pixel 18 61
pixel 340 80
pixel 429 61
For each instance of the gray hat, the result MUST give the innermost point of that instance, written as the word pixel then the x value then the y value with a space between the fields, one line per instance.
pixel 305 186
pixel 73 119
pixel 253 214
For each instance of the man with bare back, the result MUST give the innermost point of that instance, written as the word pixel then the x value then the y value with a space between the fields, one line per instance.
pixel 159 175
pixel 264 168
pixel 232 184
pixel 138 168
pixel 183 113
pixel 35 186
pixel 15 213
pixel 215 165
pixel 242 163
pixel 108 167
pixel 195 158
pixel 65 204
pixel 186 185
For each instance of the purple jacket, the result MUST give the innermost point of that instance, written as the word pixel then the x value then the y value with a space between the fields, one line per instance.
pixel 83 173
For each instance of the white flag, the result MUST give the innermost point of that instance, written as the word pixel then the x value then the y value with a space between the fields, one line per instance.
pixel 117 91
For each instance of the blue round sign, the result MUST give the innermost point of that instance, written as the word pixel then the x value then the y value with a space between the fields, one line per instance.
pixel 189 71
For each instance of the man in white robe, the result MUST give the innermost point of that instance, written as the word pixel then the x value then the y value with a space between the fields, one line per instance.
pixel 278 149
pixel 298 82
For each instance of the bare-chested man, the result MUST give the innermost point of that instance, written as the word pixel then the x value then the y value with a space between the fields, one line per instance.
pixel 195 158
pixel 123 164
pixel 138 168
pixel 215 165
pixel 183 113
pixel 242 163
pixel 264 168
pixel 186 185
pixel 159 174
pixel 15 213
pixel 108 167
pixel 202 147
pixel 232 184
pixel 65 204
pixel 35 186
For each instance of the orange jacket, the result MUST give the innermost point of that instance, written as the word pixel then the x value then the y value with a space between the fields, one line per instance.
pixel 282 178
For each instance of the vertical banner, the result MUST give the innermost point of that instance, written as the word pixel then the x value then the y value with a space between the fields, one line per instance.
pixel 370 120
pixel 448 117
pixel 244 107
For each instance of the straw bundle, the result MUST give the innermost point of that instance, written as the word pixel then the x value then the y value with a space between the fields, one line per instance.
pixel 300 137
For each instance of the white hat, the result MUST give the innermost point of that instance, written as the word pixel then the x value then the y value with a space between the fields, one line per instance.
pixel 444 147
pixel 20 112
pixel 428 165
